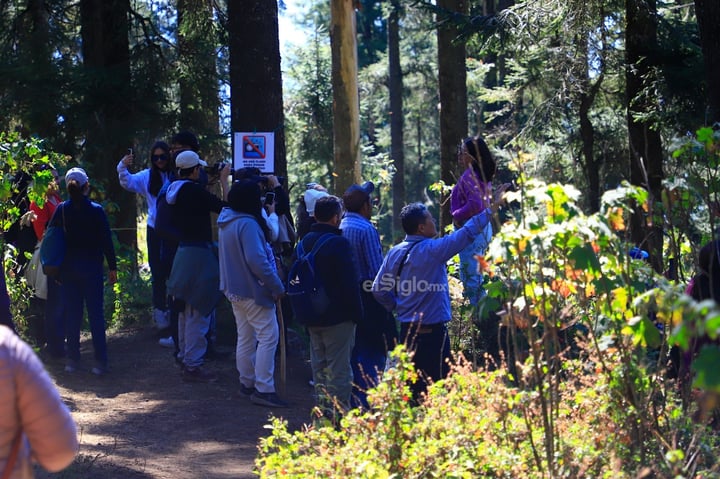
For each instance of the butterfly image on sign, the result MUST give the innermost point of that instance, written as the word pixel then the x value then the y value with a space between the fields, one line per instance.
pixel 254 146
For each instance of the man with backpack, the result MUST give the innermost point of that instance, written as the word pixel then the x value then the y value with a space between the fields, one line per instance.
pixel 325 296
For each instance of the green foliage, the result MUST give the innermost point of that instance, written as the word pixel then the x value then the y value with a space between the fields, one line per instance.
pixel 588 394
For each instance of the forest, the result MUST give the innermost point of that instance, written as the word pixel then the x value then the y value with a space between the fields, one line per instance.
pixel 602 113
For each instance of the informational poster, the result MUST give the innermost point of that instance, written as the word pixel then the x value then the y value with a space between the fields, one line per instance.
pixel 256 150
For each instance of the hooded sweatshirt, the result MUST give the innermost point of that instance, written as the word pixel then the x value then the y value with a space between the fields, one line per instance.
pixel 245 268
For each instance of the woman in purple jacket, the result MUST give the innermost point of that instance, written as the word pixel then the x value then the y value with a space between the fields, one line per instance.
pixel 471 195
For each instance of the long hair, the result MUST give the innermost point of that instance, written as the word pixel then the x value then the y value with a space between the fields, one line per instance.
pixel 245 197
pixel 76 191
pixel 483 163
pixel 155 182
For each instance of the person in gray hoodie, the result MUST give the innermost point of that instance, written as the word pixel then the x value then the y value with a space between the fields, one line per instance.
pixel 249 279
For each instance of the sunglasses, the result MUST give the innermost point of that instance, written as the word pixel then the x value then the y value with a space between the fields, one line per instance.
pixel 163 157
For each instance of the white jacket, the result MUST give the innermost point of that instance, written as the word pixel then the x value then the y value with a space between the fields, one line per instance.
pixel 138 183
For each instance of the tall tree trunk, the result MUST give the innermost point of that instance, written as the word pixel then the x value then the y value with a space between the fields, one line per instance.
pixel 645 144
pixel 588 92
pixel 346 104
pixel 255 77
pixel 395 87
pixel 707 13
pixel 39 86
pixel 108 101
pixel 198 78
pixel 452 76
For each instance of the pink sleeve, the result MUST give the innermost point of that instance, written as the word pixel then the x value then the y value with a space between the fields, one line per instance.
pixel 690 286
pixel 45 419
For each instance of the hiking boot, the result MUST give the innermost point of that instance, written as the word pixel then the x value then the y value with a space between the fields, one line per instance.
pixel 247 391
pixel 267 399
pixel 167 342
pixel 198 375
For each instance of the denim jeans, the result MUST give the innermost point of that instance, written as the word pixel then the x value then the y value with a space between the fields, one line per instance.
pixel 330 349
pixel 88 292
pixel 431 344
pixel 257 339
pixel 192 340
pixel 55 319
pixel 472 279
pixel 368 365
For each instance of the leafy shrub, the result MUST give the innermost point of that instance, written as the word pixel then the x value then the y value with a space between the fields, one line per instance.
pixel 587 392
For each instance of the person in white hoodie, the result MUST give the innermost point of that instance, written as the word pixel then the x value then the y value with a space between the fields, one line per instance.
pixel 147 183
pixel 249 279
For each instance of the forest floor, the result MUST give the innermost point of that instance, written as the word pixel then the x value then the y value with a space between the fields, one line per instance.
pixel 142 421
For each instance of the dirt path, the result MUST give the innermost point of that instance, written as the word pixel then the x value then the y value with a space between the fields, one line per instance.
pixel 143 421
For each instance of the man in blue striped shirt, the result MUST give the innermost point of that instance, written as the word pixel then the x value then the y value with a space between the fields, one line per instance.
pixel 377 331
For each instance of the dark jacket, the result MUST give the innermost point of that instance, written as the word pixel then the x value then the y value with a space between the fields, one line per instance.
pixel 335 268
pixel 88 238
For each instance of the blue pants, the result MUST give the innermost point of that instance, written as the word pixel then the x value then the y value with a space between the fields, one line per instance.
pixel 368 365
pixel 158 272
pixel 55 319
pixel 88 292
pixel 472 279
pixel 431 344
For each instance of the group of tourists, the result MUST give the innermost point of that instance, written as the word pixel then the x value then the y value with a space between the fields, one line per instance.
pixel 368 293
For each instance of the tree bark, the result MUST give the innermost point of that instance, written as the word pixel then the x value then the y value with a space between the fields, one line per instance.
pixel 255 78
pixel 707 13
pixel 395 87
pixel 452 76
pixel 346 104
pixel 37 90
pixel 198 78
pixel 645 143
pixel 108 102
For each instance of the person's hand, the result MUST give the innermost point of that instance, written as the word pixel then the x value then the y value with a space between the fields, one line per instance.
pixel 498 194
pixel 278 297
pixel 112 276
pixel 128 159
pixel 272 182
pixel 270 208
pixel 28 218
pixel 225 172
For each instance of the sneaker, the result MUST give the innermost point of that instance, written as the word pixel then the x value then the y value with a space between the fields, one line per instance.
pixel 198 375
pixel 161 318
pixel 168 342
pixel 100 370
pixel 267 399
pixel 247 391
pixel 71 366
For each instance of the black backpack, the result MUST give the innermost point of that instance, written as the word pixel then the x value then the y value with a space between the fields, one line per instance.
pixel 306 292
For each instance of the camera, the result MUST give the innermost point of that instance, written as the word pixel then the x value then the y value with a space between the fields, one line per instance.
pixel 215 169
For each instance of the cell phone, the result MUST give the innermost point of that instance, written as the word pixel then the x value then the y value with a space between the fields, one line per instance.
pixel 130 151
pixel 269 198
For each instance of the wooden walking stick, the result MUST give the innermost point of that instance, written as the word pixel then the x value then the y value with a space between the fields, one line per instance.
pixel 282 380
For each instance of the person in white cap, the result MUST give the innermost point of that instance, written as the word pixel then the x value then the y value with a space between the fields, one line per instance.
pixel 195 275
pixel 306 209
pixel 87 240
